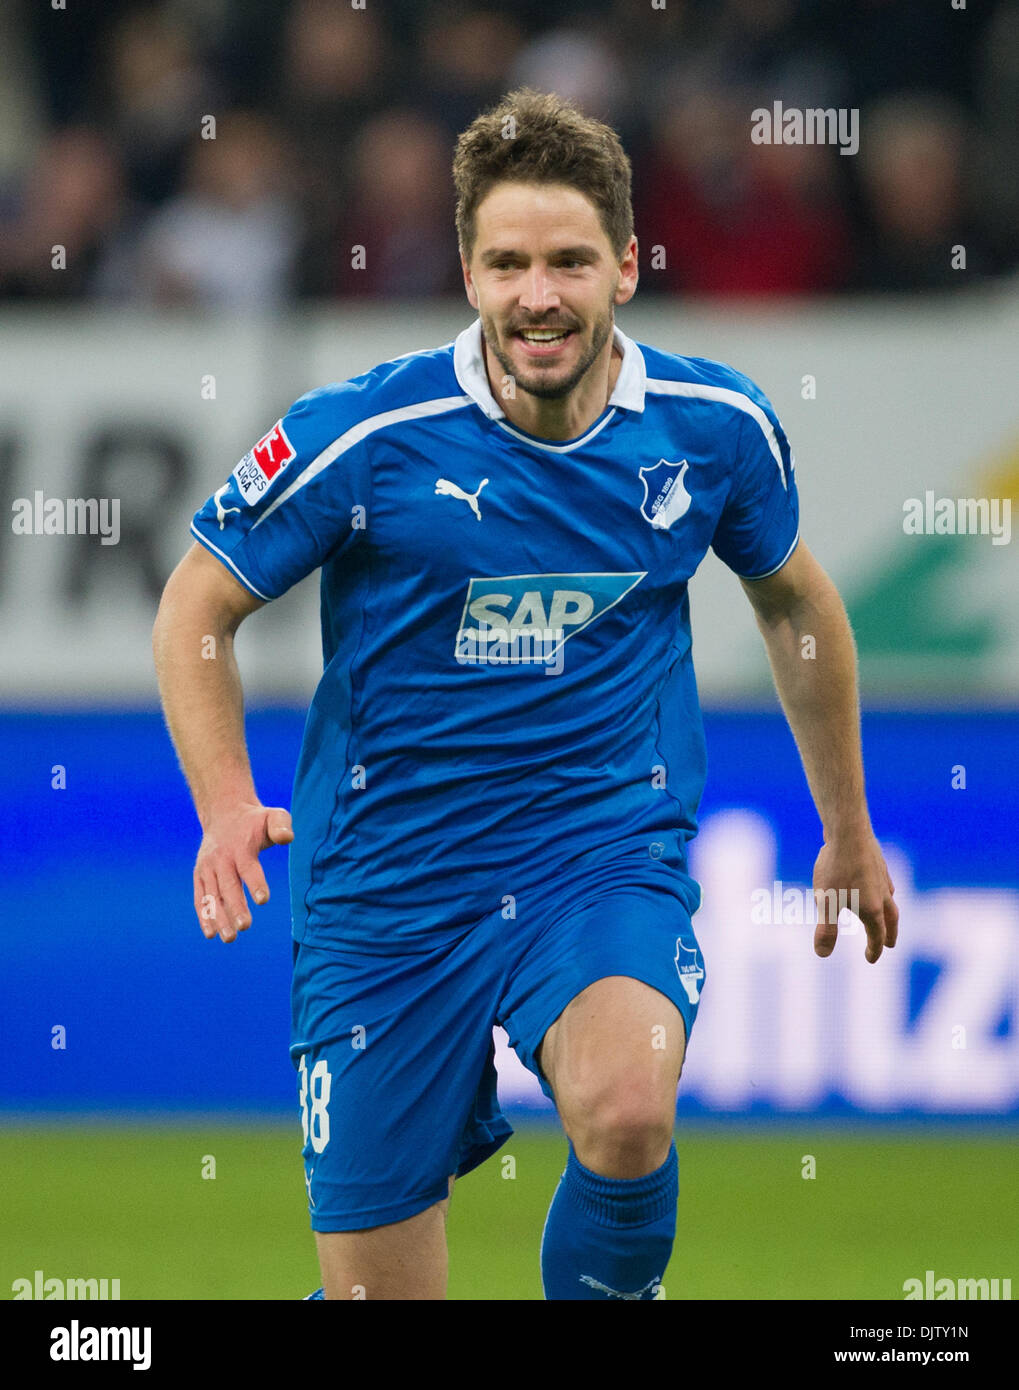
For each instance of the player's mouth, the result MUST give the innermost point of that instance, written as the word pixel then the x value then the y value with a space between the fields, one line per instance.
pixel 543 342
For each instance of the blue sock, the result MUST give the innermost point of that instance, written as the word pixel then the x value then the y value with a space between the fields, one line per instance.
pixel 609 1237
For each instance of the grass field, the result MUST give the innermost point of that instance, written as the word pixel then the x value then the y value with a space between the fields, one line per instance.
pixel 131 1203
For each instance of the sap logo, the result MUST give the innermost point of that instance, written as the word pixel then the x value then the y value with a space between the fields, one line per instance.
pixel 691 971
pixel 522 612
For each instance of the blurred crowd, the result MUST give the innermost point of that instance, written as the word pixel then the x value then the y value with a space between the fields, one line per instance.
pixel 335 124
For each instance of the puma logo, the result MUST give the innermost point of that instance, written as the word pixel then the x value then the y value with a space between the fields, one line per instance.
pixel 221 511
pixel 638 1295
pixel 444 488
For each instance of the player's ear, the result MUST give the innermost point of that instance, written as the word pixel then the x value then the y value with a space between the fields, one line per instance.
pixel 628 274
pixel 472 294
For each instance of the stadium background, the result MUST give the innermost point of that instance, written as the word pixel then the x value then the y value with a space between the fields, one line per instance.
pixel 208 283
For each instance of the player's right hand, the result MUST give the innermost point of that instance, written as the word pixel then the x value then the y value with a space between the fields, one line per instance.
pixel 227 863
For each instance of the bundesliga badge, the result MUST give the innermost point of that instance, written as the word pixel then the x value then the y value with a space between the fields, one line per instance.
pixel 665 496
pixel 260 465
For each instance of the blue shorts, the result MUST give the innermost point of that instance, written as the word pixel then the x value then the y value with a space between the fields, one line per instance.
pixel 395 1056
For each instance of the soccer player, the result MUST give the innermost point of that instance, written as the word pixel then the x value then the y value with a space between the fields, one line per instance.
pixel 503 761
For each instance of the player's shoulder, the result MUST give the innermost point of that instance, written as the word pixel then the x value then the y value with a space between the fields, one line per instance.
pixel 683 378
pixel 745 416
pixel 342 418
pixel 400 389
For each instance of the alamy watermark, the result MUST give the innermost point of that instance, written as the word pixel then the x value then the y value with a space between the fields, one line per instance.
pixel 794 125
pixel 40 515
pixel 795 907
pixel 77 1343
pixel 930 1287
pixel 487 645
pixel 958 516
pixel 42 1287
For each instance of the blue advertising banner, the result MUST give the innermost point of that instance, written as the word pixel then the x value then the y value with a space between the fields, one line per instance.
pixel 112 1001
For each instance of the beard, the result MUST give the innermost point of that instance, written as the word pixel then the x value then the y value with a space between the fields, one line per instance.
pixel 538 384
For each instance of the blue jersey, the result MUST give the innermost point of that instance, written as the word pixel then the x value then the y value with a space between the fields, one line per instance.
pixel 508 699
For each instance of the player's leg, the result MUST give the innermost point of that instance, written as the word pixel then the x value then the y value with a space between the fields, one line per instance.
pixel 404 1260
pixel 396 1080
pixel 613 1060
pixel 600 1009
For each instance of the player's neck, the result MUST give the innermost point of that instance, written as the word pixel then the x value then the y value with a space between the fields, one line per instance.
pixel 571 416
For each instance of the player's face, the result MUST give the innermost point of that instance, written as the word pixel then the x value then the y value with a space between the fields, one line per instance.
pixel 545 281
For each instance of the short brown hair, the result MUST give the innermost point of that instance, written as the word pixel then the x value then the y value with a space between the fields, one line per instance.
pixel 538 137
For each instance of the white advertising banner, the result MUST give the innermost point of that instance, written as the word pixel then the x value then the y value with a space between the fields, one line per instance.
pixel 903 420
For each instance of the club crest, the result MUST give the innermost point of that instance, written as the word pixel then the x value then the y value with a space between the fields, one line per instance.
pixel 665 496
pixel 691 969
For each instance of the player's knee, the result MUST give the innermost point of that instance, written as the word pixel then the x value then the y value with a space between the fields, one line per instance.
pixel 625 1133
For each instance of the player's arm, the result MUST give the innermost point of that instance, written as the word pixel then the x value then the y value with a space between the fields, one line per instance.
pixel 199 684
pixel 813 658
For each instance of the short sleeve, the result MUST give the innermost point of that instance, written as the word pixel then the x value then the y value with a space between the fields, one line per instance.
pixel 292 500
pixel 759 525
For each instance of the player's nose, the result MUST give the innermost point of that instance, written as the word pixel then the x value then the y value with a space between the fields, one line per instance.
pixel 538 294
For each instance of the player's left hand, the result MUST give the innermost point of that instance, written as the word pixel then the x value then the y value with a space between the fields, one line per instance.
pixel 851 864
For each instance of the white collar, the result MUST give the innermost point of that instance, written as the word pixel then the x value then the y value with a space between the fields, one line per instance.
pixel 469 366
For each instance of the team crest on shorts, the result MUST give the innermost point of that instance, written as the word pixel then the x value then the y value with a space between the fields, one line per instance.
pixel 665 496
pixel 691 971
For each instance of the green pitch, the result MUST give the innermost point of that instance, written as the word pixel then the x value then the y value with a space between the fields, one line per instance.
pixel 132 1203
